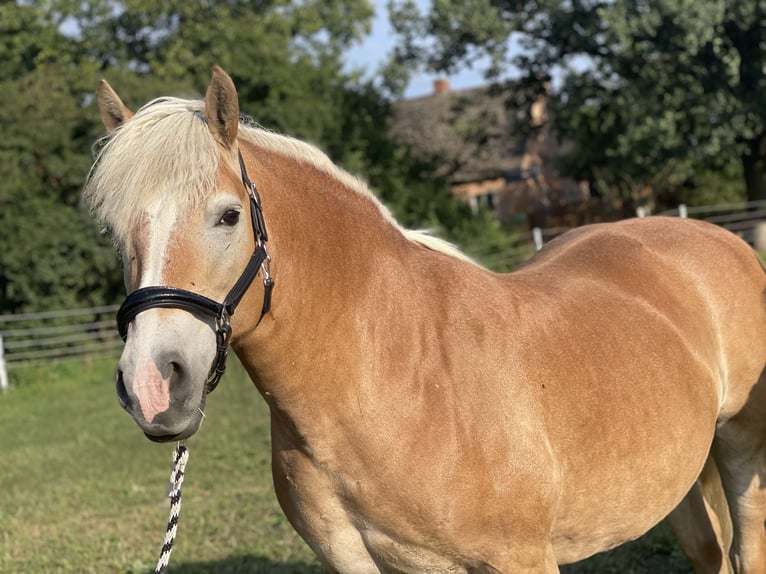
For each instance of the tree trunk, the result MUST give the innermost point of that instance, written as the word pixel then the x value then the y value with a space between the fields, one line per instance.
pixel 754 168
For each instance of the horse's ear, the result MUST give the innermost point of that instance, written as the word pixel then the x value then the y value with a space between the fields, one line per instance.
pixel 222 108
pixel 113 112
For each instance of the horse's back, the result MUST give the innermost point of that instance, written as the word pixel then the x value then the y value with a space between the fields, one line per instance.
pixel 640 245
pixel 656 260
pixel 705 281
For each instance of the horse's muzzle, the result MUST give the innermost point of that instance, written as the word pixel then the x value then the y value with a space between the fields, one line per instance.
pixel 179 421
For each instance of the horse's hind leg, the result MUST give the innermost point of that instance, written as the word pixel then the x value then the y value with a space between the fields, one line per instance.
pixel 740 452
pixel 702 524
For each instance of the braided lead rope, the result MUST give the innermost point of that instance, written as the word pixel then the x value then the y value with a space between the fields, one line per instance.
pixel 180 458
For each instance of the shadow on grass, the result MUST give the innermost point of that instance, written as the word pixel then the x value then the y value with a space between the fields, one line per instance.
pixel 244 564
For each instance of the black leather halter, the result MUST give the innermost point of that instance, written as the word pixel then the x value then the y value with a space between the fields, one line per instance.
pixel 174 298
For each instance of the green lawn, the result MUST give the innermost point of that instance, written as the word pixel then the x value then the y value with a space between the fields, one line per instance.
pixel 82 490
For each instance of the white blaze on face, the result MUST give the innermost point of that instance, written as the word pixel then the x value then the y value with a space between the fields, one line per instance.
pixel 161 221
pixel 149 386
pixel 161 338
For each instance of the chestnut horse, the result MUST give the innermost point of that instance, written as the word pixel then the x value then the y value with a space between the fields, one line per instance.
pixel 428 415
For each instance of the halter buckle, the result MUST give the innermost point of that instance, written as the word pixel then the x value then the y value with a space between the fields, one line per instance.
pixel 223 325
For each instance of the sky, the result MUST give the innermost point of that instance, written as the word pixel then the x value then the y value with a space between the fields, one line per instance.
pixel 381 41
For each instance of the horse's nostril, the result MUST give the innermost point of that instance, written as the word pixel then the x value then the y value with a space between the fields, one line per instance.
pixel 122 392
pixel 172 371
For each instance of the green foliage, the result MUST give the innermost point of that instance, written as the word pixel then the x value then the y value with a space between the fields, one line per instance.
pixel 663 95
pixel 650 93
pixel 53 258
pixel 714 186
pixel 27 39
pixel 283 56
pixel 51 254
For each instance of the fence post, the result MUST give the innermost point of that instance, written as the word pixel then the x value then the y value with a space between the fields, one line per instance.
pixel 641 211
pixel 537 236
pixel 759 236
pixel 3 372
pixel 682 212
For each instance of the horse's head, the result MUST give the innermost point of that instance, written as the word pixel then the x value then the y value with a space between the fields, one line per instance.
pixel 169 186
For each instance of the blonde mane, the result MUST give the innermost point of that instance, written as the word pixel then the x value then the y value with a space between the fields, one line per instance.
pixel 170 140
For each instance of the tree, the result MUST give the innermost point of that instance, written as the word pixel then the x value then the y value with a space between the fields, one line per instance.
pixel 51 58
pixel 283 56
pixel 652 91
pixel 51 255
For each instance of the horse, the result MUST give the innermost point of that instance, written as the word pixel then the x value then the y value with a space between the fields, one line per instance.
pixel 428 415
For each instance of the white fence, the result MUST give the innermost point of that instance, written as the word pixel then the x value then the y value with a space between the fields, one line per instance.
pixel 746 219
pixel 71 334
pixel 56 336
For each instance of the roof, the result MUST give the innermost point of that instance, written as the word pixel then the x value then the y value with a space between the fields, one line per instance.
pixel 471 135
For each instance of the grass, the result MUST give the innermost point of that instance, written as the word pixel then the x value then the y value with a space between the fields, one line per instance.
pixel 82 490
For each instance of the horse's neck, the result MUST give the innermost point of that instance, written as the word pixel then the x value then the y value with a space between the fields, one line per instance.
pixel 333 252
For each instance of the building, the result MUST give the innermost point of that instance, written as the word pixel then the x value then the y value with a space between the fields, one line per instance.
pixel 494 145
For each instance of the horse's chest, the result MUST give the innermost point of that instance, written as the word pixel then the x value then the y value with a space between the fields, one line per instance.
pixel 342 531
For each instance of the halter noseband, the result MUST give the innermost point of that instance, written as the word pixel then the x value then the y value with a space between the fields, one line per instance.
pixel 174 298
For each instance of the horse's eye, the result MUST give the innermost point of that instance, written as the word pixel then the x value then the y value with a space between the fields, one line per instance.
pixel 230 218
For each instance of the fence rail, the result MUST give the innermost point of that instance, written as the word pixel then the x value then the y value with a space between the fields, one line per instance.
pixel 746 219
pixel 56 336
pixel 74 333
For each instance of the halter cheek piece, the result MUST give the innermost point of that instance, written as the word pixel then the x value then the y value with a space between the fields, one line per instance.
pixel 174 298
